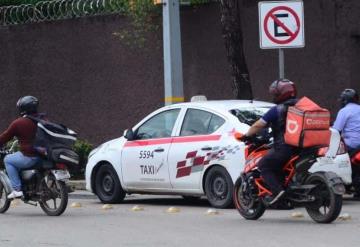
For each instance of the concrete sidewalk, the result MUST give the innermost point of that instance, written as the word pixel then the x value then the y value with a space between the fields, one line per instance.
pixel 82 194
pixel 77 184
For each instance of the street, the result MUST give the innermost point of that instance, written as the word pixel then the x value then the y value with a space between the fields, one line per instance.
pixel 91 225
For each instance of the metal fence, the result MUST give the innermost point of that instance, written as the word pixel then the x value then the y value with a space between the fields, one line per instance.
pixel 57 10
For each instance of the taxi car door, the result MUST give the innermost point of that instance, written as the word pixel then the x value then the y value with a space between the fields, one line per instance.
pixel 144 160
pixel 191 151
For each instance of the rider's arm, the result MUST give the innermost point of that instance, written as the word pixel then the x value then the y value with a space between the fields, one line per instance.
pixel 8 134
pixel 256 127
pixel 340 121
pixel 269 117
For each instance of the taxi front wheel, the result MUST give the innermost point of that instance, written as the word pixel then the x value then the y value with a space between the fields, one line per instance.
pixel 107 185
pixel 219 187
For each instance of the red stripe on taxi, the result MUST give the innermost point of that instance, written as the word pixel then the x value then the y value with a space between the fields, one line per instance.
pixel 181 139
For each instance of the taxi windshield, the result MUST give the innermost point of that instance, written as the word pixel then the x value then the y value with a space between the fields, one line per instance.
pixel 249 115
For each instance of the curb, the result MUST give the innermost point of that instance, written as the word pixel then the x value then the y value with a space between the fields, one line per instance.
pixel 77 184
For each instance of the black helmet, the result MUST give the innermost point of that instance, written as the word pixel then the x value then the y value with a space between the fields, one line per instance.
pixel 349 95
pixel 27 105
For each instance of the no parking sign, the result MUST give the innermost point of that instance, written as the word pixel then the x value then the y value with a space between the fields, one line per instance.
pixel 281 24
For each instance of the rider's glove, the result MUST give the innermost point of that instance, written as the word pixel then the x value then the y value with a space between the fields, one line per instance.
pixel 245 138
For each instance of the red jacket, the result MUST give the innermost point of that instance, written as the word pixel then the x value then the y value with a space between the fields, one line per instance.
pixel 24 130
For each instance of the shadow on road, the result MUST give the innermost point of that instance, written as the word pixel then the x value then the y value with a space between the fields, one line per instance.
pixel 168 201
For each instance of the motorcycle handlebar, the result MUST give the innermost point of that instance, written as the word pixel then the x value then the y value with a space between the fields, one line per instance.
pixel 4 152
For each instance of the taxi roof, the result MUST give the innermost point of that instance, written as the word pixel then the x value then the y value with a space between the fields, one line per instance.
pixel 226 105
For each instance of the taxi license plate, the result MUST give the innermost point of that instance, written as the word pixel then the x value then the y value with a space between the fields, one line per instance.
pixel 61 174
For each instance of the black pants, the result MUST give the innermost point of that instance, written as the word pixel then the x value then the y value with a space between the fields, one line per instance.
pixel 271 166
pixel 353 151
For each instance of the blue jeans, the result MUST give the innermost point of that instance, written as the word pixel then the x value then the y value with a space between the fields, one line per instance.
pixel 14 163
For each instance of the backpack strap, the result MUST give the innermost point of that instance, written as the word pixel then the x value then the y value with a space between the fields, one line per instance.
pixel 282 113
pixel 35 119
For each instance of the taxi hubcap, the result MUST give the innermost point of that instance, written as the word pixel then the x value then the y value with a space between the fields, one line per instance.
pixel 108 183
pixel 219 187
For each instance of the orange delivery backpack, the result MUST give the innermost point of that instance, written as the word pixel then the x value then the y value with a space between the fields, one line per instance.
pixel 307 125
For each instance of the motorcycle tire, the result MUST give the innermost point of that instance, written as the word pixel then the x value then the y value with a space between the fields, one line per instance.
pixel 249 208
pixel 327 205
pixel 62 193
pixel 4 202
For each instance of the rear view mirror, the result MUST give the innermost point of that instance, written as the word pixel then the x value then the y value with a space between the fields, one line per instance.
pixel 129 134
pixel 238 136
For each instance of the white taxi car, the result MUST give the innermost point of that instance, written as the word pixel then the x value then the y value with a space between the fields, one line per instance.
pixel 184 149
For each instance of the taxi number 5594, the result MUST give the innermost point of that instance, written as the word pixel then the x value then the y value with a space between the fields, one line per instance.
pixel 146 154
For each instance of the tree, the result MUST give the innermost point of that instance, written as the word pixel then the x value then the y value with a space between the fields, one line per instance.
pixel 233 38
pixel 140 10
pixel 141 14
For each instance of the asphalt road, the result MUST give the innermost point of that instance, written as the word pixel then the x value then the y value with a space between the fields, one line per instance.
pixel 90 225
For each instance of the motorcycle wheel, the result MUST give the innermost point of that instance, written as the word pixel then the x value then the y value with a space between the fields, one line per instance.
pixel 54 197
pixel 4 202
pixel 249 207
pixel 327 205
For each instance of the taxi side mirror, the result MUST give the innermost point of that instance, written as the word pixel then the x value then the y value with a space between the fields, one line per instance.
pixel 129 134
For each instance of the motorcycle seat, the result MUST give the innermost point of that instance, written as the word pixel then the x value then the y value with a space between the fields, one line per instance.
pixel 308 151
pixel 40 164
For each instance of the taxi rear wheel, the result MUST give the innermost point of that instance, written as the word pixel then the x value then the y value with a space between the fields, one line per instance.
pixel 107 185
pixel 219 187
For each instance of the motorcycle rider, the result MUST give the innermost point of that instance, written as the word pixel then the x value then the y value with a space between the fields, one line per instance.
pixel 283 92
pixel 348 119
pixel 24 129
pixel 348 124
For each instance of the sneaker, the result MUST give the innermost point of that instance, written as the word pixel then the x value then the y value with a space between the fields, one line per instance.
pixel 277 197
pixel 15 194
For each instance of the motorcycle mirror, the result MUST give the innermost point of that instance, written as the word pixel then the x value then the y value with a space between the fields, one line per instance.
pixel 238 136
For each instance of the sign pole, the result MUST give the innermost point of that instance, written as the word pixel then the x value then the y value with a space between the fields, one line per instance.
pixel 281 26
pixel 173 74
pixel 281 64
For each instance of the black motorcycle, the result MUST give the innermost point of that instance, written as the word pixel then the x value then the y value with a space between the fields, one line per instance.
pixel 44 183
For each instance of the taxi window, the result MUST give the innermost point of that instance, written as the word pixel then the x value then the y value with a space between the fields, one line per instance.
pixel 198 122
pixel 249 115
pixel 160 125
pixel 215 123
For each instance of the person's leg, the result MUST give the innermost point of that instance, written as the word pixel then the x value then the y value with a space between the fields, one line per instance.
pixel 353 151
pixel 271 166
pixel 14 163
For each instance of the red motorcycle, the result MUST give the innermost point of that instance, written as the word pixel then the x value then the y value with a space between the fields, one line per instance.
pixel 320 192
pixel 355 166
